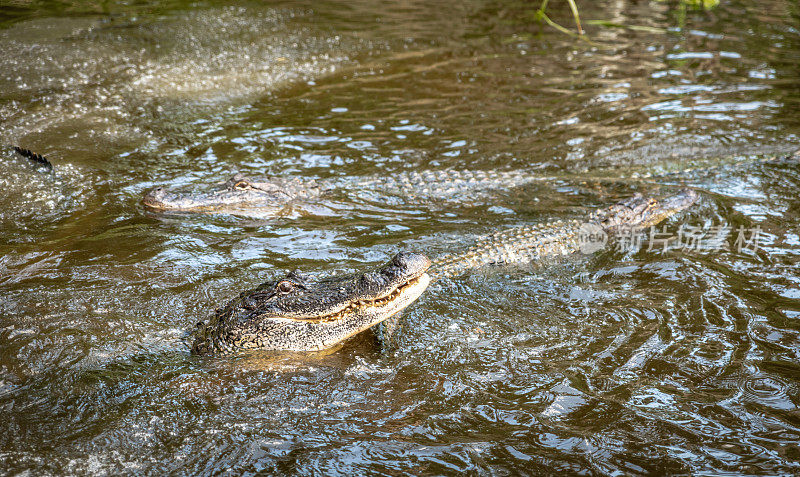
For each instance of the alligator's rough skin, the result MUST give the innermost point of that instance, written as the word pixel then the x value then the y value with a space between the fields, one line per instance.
pixel 298 314
pixel 537 242
pixel 239 195
pixel 265 197
pixel 302 314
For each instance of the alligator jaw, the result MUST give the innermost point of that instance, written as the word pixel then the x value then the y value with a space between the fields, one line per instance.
pixel 165 200
pixel 296 314
pixel 370 313
pixel 641 212
pixel 381 307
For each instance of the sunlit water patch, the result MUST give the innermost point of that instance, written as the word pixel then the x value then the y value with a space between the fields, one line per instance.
pixel 142 80
pixel 34 198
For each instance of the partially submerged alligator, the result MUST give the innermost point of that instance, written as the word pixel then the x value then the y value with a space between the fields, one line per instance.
pixel 269 196
pixel 562 237
pixel 295 313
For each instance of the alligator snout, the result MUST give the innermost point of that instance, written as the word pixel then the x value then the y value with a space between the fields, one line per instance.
pixel 155 198
pixel 403 267
pixel 314 314
pixel 406 265
pixel 411 260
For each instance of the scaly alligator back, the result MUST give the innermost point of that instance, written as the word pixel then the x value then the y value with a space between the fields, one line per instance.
pixel 450 184
pixel 537 242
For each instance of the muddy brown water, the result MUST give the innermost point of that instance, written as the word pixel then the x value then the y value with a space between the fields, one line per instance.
pixel 631 360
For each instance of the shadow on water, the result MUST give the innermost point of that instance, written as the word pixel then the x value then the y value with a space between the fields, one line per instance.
pixel 636 359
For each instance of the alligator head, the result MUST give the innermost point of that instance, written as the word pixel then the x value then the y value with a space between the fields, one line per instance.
pixel 302 314
pixel 642 212
pixel 237 194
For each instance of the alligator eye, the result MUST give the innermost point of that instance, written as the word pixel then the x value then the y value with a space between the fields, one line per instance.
pixel 285 286
pixel 242 185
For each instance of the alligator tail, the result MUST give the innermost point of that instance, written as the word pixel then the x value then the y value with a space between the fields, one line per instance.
pixel 34 157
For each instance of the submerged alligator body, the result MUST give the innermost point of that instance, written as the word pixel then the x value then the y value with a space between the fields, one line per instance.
pixel 299 314
pixel 270 196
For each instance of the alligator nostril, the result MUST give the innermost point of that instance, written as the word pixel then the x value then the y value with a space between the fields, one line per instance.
pixel 410 260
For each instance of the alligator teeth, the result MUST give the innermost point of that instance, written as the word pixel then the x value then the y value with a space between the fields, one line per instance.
pixel 362 304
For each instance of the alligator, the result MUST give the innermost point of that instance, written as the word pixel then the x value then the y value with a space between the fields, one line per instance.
pixel 534 243
pixel 270 196
pixel 301 314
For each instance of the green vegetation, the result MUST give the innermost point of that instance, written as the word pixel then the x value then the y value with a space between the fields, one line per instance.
pixel 540 15
pixel 697 4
